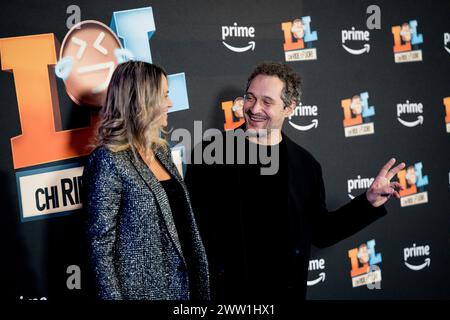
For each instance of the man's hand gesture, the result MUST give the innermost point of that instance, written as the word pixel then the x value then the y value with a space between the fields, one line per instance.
pixel 382 188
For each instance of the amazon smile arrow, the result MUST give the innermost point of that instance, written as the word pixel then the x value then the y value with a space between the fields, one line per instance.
pixel 419 267
pixel 357 51
pixel 413 123
pixel 314 123
pixel 251 45
pixel 321 278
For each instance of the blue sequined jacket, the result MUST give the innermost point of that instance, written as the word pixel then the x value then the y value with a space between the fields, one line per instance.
pixel 133 244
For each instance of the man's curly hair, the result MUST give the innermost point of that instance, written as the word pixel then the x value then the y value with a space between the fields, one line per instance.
pixel 292 82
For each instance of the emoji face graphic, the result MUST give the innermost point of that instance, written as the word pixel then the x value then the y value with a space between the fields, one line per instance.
pixel 297 29
pixel 356 105
pixel 363 254
pixel 411 176
pixel 90 46
pixel 405 32
pixel 238 106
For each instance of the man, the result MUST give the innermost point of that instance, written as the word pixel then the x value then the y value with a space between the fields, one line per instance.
pixel 258 229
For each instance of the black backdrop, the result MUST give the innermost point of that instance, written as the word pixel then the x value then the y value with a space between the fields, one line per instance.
pixel 188 38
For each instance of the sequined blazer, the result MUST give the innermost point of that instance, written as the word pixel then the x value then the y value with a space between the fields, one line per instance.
pixel 134 249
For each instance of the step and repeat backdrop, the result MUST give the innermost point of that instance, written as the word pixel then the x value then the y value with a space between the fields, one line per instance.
pixel 376 80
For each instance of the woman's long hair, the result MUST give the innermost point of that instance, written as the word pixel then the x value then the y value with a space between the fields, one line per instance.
pixel 130 117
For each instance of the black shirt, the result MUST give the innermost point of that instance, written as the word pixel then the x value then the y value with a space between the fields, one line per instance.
pixel 267 242
pixel 180 214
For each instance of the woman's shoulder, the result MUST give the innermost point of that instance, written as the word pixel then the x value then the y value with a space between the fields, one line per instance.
pixel 100 152
pixel 105 154
pixel 103 161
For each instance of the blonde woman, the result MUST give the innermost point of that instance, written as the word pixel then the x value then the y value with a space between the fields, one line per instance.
pixel 142 237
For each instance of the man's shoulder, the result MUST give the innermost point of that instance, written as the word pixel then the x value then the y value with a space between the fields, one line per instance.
pixel 300 153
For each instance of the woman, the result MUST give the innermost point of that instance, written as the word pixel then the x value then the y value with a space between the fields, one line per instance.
pixel 143 239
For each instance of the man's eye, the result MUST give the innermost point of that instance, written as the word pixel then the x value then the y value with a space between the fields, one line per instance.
pixel 267 102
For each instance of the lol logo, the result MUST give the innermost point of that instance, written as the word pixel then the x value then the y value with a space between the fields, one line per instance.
pixel 86 60
pixel 364 261
pixel 414 182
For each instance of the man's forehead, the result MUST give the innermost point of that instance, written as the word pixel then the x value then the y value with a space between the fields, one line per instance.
pixel 266 84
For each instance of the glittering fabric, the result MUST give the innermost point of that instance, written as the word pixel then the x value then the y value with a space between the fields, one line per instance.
pixel 133 243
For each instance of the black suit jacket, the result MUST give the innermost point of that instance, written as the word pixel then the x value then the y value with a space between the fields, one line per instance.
pixel 216 199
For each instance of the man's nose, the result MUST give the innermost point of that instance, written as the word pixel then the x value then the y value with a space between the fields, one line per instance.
pixel 257 107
